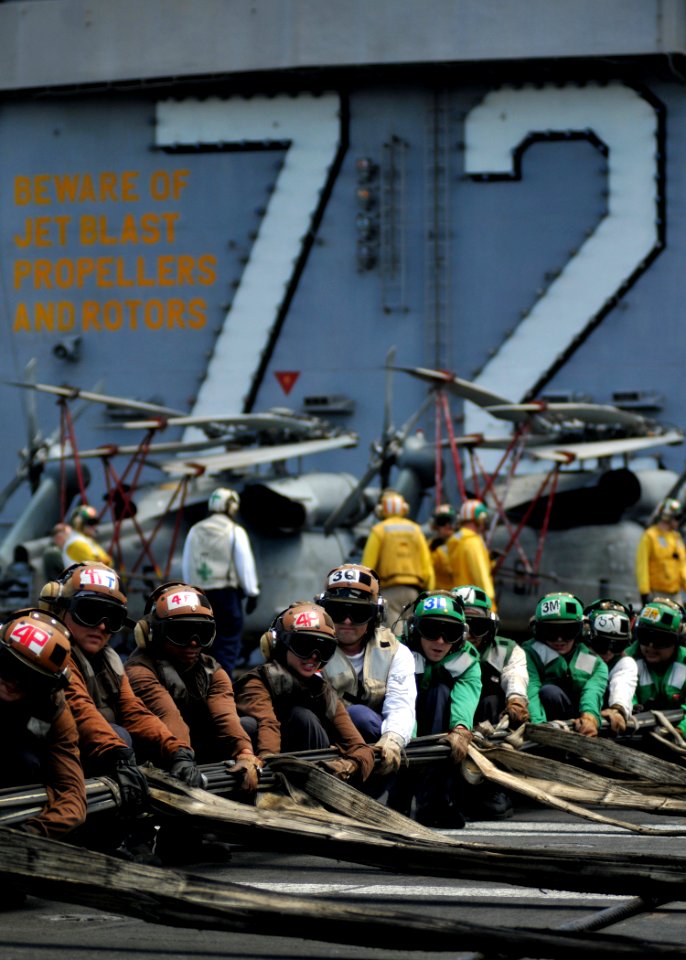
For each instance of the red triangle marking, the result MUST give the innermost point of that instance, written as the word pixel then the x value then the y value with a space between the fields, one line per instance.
pixel 287 379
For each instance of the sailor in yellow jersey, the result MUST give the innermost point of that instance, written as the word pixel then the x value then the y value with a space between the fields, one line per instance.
pixel 443 524
pixel 80 545
pixel 661 556
pixel 397 550
pixel 470 561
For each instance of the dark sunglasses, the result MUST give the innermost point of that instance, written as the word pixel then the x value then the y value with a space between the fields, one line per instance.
pixel 481 626
pixel 340 610
pixel 655 638
pixel 551 632
pixel 182 633
pixel 609 644
pixel 91 612
pixel 306 646
pixel 433 629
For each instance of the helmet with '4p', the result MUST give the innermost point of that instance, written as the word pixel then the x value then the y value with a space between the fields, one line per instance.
pixel 34 649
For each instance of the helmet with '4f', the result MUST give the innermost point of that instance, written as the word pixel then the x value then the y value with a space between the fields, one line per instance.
pixel 304 629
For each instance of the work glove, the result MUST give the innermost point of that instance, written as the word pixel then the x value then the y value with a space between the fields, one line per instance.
pixel 248 767
pixel 251 603
pixel 184 768
pixel 616 717
pixel 133 786
pixel 389 749
pixel 586 725
pixel 342 768
pixel 458 739
pixel 517 711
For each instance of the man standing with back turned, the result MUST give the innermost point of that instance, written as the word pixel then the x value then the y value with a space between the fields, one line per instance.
pixel 218 558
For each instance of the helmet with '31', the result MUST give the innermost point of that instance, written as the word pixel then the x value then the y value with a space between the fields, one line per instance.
pixel 436 614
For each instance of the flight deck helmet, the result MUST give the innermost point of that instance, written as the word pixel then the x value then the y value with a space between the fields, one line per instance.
pixel 436 613
pixel 660 623
pixel 482 622
pixel 84 516
pixel 559 616
pixel 224 500
pixel 609 625
pixel 179 613
pixel 305 629
pixel 34 649
pixel 352 591
pixel 473 511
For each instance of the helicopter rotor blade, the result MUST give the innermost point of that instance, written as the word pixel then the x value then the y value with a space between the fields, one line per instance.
pixel 73 393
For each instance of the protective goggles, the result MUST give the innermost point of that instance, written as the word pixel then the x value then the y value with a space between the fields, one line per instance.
pixel 342 610
pixel 307 646
pixel 602 644
pixel 92 611
pixel 553 631
pixel 182 633
pixel 481 627
pixel 659 639
pixel 431 628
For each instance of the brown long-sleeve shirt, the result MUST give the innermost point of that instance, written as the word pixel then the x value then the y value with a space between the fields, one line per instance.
pixel 96 735
pixel 197 706
pixel 254 699
pixel 49 733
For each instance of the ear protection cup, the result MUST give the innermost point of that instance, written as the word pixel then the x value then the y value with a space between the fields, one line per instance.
pixel 49 595
pixel 267 644
pixel 141 634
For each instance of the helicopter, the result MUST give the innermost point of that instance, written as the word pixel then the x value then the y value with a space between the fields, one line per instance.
pixel 567 504
pixel 573 525
pixel 143 524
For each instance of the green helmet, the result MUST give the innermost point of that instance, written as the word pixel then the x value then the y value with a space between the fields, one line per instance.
pixel 444 513
pixel 661 614
pixel 439 603
pixel 559 606
pixel 473 596
pixel 437 613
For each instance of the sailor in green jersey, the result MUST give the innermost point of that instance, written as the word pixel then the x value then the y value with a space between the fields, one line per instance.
pixel 504 674
pixel 567 680
pixel 448 677
pixel 660 657
pixel 609 635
